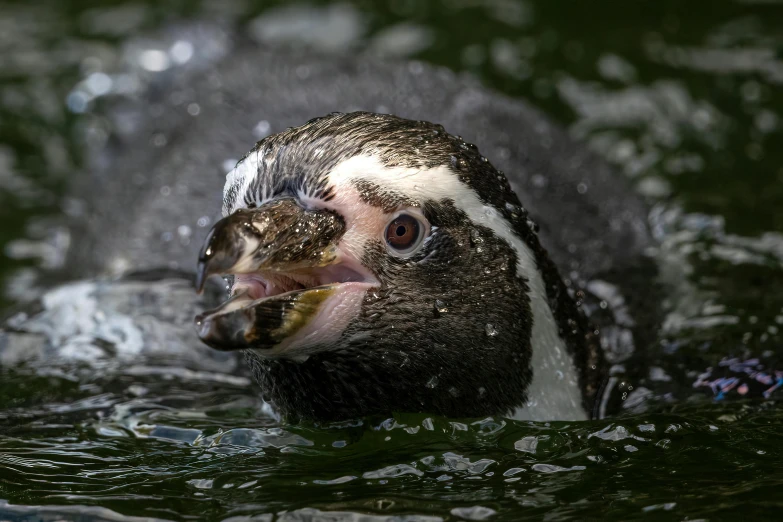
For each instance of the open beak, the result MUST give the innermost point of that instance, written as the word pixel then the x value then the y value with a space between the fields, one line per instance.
pixel 286 264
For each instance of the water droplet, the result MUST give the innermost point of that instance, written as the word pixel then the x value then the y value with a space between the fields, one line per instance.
pixel 457 162
pixel 98 83
pixel 433 382
pixel 154 60
pixel 77 101
pixel 440 307
pixel 159 140
pixel 181 51
pixel 527 444
pixel 262 129
pixel 490 330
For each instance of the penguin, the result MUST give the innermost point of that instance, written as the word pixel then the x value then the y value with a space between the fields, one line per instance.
pixel 382 264
pixel 483 273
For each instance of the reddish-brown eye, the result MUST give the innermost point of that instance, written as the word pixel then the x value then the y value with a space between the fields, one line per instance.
pixel 404 233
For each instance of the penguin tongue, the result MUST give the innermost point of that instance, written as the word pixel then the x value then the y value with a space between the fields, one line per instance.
pixel 253 286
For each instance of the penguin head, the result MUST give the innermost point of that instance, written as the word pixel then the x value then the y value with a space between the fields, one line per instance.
pixel 381 264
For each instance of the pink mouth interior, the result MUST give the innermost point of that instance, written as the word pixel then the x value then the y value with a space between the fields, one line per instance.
pixel 267 284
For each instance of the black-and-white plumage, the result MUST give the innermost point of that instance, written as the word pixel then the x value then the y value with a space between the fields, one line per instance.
pixel 476 321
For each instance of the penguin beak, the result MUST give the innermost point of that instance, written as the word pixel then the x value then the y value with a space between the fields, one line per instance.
pixel 286 264
pixel 280 236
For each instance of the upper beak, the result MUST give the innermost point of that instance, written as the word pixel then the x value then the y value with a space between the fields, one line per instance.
pixel 278 236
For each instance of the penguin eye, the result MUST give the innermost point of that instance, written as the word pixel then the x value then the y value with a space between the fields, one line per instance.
pixel 404 234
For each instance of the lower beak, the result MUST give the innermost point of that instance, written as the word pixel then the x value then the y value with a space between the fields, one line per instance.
pixel 242 323
pixel 275 239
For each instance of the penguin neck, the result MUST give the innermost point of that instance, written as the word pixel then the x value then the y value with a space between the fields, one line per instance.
pixel 358 383
pixel 567 363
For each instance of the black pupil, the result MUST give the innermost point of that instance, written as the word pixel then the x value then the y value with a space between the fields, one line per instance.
pixel 403 232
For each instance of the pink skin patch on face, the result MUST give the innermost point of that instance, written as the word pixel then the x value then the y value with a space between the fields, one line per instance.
pixel 363 222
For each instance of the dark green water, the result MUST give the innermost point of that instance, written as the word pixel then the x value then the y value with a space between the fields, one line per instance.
pixel 684 97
